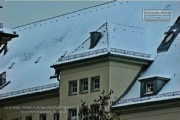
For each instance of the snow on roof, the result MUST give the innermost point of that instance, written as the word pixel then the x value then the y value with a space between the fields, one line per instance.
pixel 52 38
pixel 6 30
pixel 165 65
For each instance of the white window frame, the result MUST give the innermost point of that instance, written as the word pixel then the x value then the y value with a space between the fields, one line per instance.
pixel 149 88
pixel 56 116
pixel 41 116
pixel 73 87
pixel 84 85
pixel 96 111
pixel 95 83
pixel 73 114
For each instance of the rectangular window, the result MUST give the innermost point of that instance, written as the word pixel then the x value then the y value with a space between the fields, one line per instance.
pixel 84 85
pixel 2 78
pixel 29 118
pixel 84 114
pixel 73 87
pixel 42 117
pixel 95 83
pixel 149 88
pixel 95 111
pixel 73 114
pixel 56 116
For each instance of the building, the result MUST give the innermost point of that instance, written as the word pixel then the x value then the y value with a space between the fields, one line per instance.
pixel 6 35
pixel 104 47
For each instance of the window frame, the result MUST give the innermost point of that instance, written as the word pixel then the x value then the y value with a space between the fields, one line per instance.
pixel 82 85
pixel 70 87
pixel 56 116
pixel 71 117
pixel 93 84
pixel 151 87
pixel 41 115
pixel 96 114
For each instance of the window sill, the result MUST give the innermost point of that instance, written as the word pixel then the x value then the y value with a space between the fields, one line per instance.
pixel 149 93
pixel 72 94
pixel 83 92
pixel 96 90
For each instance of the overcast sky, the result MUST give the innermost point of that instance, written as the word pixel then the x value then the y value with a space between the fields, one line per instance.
pixel 15 13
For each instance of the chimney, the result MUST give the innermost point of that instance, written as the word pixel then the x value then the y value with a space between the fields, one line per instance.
pixel 95 37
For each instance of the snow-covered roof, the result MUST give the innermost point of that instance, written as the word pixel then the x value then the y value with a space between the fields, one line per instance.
pixel 165 65
pixel 40 44
pixel 6 30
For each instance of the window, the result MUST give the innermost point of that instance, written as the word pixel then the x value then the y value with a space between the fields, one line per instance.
pixel 152 85
pixel 83 117
pixel 170 36
pixel 84 85
pixel 73 87
pixel 149 88
pixel 29 118
pixel 42 117
pixel 73 114
pixel 83 113
pixel 2 78
pixel 56 116
pixel 95 83
pixel 95 111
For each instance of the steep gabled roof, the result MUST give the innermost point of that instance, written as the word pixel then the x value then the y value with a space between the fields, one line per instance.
pixel 40 44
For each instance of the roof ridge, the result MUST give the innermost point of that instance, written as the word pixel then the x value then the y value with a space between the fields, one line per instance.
pixel 63 14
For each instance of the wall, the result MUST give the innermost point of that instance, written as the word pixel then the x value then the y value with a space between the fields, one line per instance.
pixel 162 114
pixel 76 73
pixel 115 75
pixel 34 105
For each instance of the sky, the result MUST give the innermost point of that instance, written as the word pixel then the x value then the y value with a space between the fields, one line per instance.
pixel 15 13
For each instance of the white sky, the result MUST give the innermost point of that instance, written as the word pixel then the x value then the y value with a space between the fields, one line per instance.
pixel 15 13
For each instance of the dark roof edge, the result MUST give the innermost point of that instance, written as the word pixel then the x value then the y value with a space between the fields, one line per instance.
pixel 63 14
pixel 153 105
pixel 41 94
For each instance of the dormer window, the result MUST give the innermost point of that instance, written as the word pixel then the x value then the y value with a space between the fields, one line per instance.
pixel 170 35
pixel 3 81
pixel 149 88
pixel 152 85
pixel 2 78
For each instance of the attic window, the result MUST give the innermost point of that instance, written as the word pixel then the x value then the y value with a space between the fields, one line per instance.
pixel 3 82
pixel 149 88
pixel 152 85
pixel 170 36
pixel 2 78
pixel 94 39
